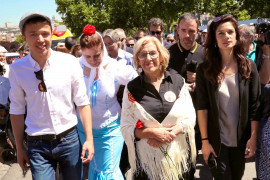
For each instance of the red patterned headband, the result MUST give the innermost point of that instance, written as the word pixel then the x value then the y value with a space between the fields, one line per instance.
pixel 89 29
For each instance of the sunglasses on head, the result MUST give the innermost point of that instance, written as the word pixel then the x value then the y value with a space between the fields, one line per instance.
pixel 130 45
pixel 155 32
pixel 41 86
pixel 220 17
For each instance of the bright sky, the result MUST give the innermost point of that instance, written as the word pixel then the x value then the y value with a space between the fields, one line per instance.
pixel 13 10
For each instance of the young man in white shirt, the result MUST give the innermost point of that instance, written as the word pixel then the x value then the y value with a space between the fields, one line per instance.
pixel 48 83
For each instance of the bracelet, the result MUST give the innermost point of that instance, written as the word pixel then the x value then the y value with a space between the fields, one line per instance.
pixel 203 139
pixel 265 56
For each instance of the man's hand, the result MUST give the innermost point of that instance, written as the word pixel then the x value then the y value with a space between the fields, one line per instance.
pixel 22 159
pixel 88 147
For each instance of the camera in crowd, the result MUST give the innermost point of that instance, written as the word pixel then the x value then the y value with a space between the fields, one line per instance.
pixel 263 28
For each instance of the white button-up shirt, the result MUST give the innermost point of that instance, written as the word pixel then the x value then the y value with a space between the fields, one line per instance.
pixel 50 112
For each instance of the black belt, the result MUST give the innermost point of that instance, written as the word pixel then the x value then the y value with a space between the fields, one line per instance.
pixel 51 137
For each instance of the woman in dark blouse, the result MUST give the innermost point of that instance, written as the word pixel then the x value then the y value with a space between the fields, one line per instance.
pixel 227 91
pixel 158 117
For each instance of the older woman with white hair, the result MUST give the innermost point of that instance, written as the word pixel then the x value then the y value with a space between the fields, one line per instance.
pixel 158 117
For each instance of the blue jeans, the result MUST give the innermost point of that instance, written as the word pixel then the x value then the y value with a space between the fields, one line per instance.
pixel 44 156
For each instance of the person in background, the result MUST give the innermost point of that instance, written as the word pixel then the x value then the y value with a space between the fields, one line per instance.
pixel 121 33
pixel 69 43
pixel 170 39
pixel 61 47
pixel 227 100
pixel 49 84
pixel 111 40
pixel 156 29
pixel 139 34
pixel 23 50
pixel 76 50
pixel 203 36
pixel 130 42
pixel 103 76
pixel 3 63
pixel 176 36
pixel 158 117
pixel 247 34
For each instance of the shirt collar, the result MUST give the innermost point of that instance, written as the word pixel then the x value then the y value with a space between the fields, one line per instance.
pixel 121 54
pixel 34 63
pixel 167 77
pixel 192 50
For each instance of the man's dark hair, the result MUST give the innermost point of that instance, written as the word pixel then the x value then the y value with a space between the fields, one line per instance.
pixel 69 42
pixel 35 20
pixel 188 17
pixel 156 22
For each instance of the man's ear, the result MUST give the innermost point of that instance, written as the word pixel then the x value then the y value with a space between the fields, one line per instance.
pixel 23 37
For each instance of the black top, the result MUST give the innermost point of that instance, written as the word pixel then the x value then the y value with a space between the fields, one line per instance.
pixel 207 99
pixel 150 99
pixel 180 57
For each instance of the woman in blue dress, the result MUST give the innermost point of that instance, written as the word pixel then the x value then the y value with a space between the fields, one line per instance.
pixel 103 77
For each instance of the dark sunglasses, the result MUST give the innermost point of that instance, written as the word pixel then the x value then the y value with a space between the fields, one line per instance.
pixel 220 17
pixel 122 39
pixel 137 38
pixel 130 45
pixel 41 86
pixel 155 32
pixel 170 40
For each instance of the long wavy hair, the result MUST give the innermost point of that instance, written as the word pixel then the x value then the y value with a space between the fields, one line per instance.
pixel 213 63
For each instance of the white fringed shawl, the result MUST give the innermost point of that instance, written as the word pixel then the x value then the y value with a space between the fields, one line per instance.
pixel 151 159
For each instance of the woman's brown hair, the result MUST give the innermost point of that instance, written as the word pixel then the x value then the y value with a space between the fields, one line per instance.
pixel 212 56
pixel 89 41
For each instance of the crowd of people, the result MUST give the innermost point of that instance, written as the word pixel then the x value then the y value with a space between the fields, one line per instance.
pixel 141 107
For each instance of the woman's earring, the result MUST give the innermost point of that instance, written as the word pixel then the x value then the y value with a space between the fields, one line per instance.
pixel 215 45
pixel 139 70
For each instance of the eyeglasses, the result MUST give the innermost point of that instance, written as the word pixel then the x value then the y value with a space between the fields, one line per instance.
pixel 170 40
pixel 41 86
pixel 155 32
pixel 130 45
pixel 220 17
pixel 143 55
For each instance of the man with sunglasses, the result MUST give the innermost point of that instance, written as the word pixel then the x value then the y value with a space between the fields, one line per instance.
pixel 156 29
pixel 185 55
pixel 49 84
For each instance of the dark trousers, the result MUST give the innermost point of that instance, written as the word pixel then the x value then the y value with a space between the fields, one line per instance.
pixel 230 163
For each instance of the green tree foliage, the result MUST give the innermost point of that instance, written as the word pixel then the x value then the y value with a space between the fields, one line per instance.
pixel 19 39
pixel 258 8
pixel 129 15
pixel 133 14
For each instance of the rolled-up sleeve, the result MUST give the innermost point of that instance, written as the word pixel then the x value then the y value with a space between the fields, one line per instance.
pixel 16 94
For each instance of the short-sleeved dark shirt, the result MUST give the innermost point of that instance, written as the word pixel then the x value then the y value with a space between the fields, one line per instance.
pixel 150 99
pixel 180 57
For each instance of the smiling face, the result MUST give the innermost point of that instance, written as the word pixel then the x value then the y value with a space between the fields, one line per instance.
pixel 148 58
pixel 226 36
pixel 93 55
pixel 38 36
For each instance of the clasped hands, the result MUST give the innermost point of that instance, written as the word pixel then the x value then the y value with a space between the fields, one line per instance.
pixel 163 135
